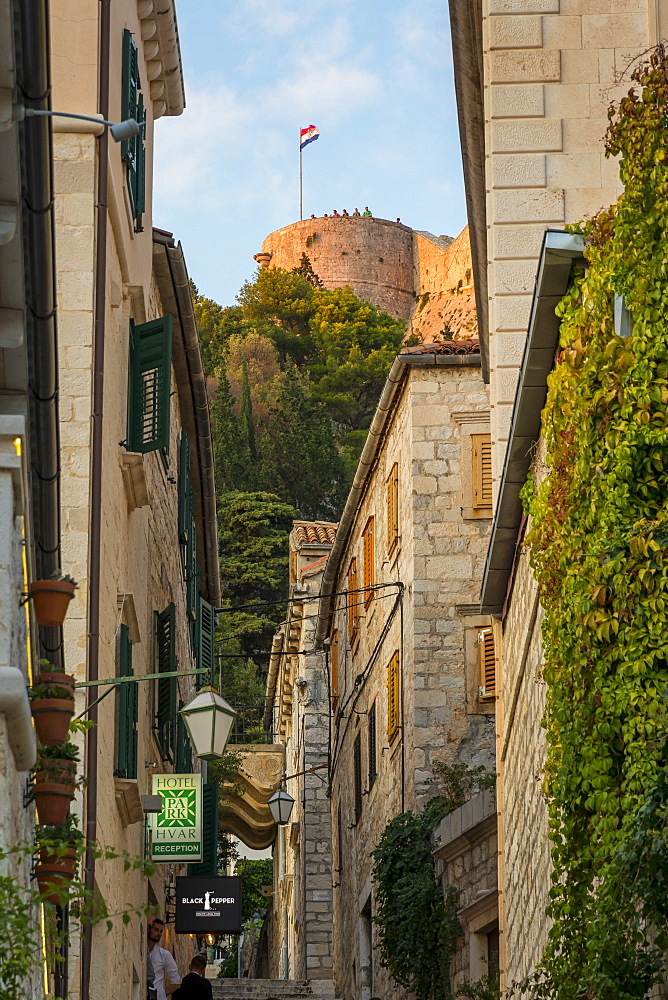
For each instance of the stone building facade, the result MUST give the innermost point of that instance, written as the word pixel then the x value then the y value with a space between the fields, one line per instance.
pixel 400 622
pixel 534 81
pixel 138 499
pixel 298 699
pixel 415 276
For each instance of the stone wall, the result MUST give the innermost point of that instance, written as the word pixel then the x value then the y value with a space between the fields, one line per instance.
pixel 415 276
pixel 439 560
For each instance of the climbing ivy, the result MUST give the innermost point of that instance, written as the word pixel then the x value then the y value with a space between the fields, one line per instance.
pixel 599 542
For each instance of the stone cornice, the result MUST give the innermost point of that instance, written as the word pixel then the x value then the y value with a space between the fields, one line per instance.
pixel 162 54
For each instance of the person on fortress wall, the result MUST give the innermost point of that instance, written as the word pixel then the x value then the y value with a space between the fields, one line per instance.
pixel 356 212
pixel 194 985
pixel 345 212
pixel 335 214
pixel 366 211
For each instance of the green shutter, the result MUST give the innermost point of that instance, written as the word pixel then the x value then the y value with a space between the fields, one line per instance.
pixel 128 703
pixel 130 85
pixel 133 150
pixel 139 194
pixel 206 623
pixel 149 385
pixel 184 753
pixel 166 700
pixel 209 863
pixel 185 492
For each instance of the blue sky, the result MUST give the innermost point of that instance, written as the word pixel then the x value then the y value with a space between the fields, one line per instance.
pixel 375 76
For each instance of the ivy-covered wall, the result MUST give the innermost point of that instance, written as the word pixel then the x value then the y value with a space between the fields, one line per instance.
pixel 598 546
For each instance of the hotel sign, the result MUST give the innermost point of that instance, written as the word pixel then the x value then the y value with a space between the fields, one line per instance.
pixel 176 832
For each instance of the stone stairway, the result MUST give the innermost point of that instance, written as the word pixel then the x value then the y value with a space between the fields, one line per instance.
pixel 272 989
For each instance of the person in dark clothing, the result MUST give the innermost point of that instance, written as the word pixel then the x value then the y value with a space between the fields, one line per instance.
pixel 194 985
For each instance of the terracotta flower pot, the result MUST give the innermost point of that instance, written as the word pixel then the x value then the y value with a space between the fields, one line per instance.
pixel 57 679
pixel 53 791
pixel 52 719
pixel 51 599
pixel 54 873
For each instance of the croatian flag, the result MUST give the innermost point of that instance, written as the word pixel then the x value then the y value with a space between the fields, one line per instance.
pixel 307 135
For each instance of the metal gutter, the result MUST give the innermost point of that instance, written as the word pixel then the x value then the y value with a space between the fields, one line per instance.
pixel 560 252
pixel 37 211
pixel 174 285
pixel 386 403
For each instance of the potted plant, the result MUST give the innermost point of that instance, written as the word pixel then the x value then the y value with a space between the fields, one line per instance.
pixel 52 705
pixel 47 675
pixel 59 848
pixel 51 599
pixel 55 781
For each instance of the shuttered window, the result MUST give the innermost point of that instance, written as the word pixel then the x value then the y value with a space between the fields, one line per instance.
pixel 482 470
pixel 127 708
pixel 133 150
pixel 149 385
pixel 392 507
pixel 369 562
pixel 487 664
pixel 184 751
pixel 204 644
pixel 372 745
pixel 334 669
pixel 165 634
pixel 353 601
pixel 393 696
pixel 357 775
pixel 208 867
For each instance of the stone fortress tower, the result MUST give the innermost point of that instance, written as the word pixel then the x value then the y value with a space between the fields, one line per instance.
pixel 423 279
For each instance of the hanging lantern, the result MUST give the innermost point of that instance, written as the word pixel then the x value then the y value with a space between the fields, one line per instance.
pixel 209 720
pixel 280 806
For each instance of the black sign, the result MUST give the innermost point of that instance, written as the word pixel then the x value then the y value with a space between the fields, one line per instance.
pixel 208 905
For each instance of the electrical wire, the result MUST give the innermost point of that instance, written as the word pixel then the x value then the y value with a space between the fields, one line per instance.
pixel 303 600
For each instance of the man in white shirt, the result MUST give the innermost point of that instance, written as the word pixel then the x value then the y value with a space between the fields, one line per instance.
pixel 159 961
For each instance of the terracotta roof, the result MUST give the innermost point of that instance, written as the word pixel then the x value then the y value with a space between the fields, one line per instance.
pixel 315 532
pixel 313 568
pixel 471 346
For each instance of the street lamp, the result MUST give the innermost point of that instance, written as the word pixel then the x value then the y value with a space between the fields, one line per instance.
pixel 280 806
pixel 209 720
pixel 119 130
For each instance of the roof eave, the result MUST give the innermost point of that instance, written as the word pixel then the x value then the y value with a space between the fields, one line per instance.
pixel 559 252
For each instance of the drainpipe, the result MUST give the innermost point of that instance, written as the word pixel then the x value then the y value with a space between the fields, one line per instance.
pixel 96 486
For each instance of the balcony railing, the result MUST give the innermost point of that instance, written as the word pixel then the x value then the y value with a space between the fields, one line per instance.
pixel 248 725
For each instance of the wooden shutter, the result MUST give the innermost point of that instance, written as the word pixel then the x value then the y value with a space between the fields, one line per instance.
pixel 369 562
pixel 206 624
pixel 482 470
pixel 184 752
pixel 130 85
pixel 208 866
pixel 139 193
pixel 133 149
pixel 487 664
pixel 372 745
pixel 339 839
pixel 166 700
pixel 357 774
pixel 353 600
pixel 149 385
pixel 393 696
pixel 128 704
pixel 334 669
pixel 392 507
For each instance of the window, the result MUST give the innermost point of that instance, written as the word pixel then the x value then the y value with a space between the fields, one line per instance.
pixel 334 669
pixel 127 707
pixel 165 634
pixel 392 508
pixel 357 769
pixel 353 600
pixel 487 664
pixel 149 385
pixel 372 746
pixel 369 565
pixel 393 696
pixel 133 150
pixel 185 496
pixel 204 644
pixel 481 445
pixel 208 866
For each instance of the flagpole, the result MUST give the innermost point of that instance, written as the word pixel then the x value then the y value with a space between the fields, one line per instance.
pixel 301 210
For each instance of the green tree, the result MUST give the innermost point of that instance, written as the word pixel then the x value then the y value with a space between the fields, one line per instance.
pixel 300 460
pixel 235 467
pixel 279 304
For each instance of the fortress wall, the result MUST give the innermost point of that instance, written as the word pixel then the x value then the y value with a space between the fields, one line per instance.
pixel 373 256
pixel 444 288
